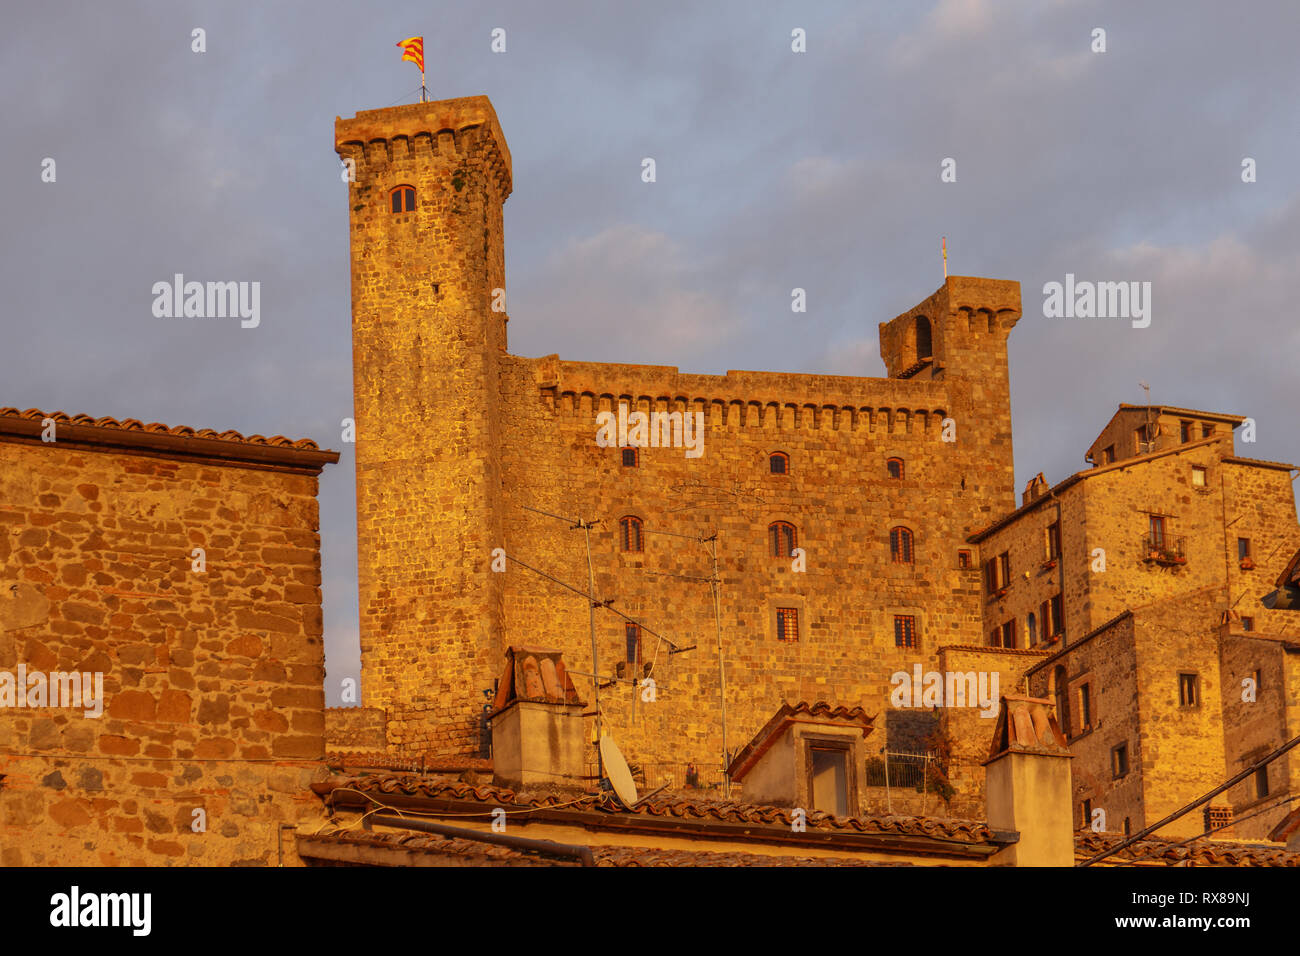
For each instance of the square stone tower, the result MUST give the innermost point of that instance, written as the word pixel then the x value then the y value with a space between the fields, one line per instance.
pixel 428 267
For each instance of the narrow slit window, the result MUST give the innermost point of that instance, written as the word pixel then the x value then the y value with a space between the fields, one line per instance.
pixel 900 546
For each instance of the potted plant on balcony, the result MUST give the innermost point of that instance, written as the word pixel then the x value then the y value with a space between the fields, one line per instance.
pixel 1247 564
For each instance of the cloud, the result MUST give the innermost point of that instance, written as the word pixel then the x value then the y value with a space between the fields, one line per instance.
pixel 636 289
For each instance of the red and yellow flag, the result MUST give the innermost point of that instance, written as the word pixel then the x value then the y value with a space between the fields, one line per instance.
pixel 413 50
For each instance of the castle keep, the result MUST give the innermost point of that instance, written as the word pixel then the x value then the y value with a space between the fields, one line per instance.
pixel 460 445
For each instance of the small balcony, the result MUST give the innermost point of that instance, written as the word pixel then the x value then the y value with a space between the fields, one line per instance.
pixel 1164 550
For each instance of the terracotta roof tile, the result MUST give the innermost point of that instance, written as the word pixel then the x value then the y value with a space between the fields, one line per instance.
pixel 1154 851
pixel 178 431
pixel 769 733
pixel 969 832
pixel 466 851
pixel 398 844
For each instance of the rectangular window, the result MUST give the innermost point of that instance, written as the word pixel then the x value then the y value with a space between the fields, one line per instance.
pixel 632 636
pixel 999 572
pixel 1261 782
pixel 1247 623
pixel 1188 691
pixel 1207 431
pixel 1157 530
pixel 904 630
pixel 963 559
pixel 1198 476
pixel 1052 541
pixel 1009 634
pixel 1087 814
pixel 1052 620
pixel 1085 707
pixel 1143 434
pixel 787 624
pixel 1184 432
pixel 1119 761
pixel 1259 681
pixel 1108 455
pixel 829 786
pixel 1243 549
pixel 629 457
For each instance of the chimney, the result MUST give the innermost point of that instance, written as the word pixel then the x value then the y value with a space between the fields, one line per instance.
pixel 537 735
pixel 1035 489
pixel 1028 784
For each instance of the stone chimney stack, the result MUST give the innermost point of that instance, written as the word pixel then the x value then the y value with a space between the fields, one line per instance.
pixel 537 724
pixel 1029 784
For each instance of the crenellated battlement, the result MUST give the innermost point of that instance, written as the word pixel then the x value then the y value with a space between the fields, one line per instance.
pixel 427 132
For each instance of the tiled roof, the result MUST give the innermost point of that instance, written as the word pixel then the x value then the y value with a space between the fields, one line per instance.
pixel 1261 463
pixel 426 787
pixel 315 848
pixel 650 856
pixel 975 537
pixel 815 712
pixel 1175 410
pixel 398 846
pixel 178 431
pixel 1168 853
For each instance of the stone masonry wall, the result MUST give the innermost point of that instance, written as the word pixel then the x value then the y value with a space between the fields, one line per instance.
pixel 1106 664
pixel 838 434
pixel 212 681
pixel 425 351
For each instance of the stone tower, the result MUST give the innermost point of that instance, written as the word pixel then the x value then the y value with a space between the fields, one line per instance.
pixel 428 267
pixel 959 336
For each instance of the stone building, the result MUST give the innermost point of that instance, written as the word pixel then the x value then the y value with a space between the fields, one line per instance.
pixel 838 507
pixel 167 579
pixel 1138 583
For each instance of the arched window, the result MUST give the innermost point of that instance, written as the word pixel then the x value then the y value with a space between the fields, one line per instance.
pixel 779 463
pixel 402 199
pixel 782 537
pixel 630 529
pixel 895 467
pixel 924 349
pixel 1031 625
pixel 900 546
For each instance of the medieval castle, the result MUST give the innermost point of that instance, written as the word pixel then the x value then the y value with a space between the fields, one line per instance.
pixel 830 534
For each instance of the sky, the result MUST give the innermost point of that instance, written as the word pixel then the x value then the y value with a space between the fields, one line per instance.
pixel 775 170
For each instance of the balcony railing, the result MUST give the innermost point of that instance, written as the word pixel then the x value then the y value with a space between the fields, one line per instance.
pixel 1163 549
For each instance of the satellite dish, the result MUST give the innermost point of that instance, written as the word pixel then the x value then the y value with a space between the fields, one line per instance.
pixel 620 778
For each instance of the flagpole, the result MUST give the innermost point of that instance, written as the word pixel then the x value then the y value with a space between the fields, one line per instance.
pixel 422 96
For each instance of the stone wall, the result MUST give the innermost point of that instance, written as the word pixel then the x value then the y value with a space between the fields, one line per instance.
pixel 457 440
pixel 355 728
pixel 212 675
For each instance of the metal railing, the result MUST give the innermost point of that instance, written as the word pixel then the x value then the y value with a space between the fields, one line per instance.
pixel 1163 548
